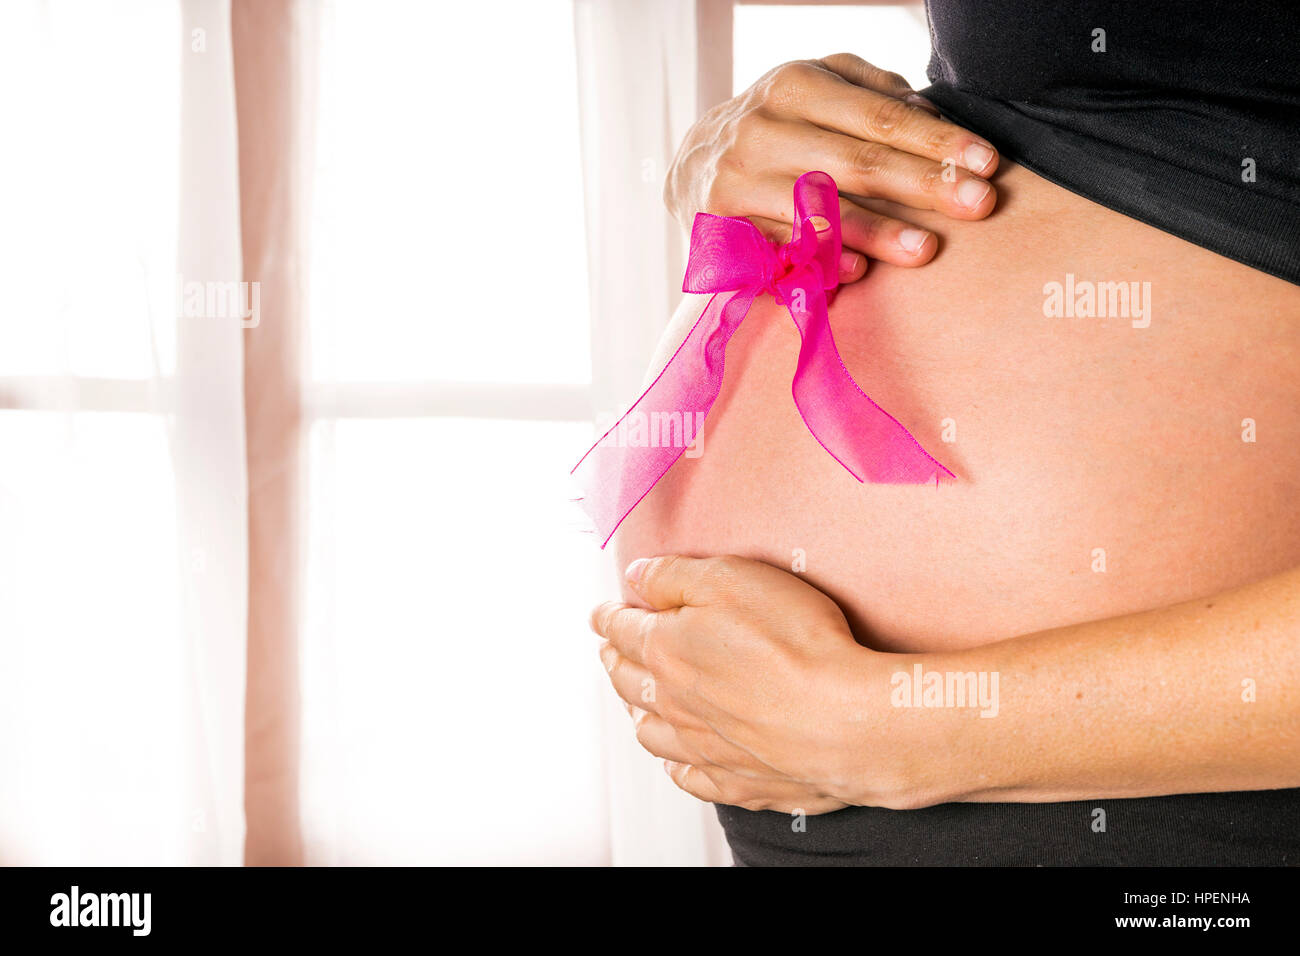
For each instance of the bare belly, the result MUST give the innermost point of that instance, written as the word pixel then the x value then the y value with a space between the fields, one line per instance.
pixel 1101 468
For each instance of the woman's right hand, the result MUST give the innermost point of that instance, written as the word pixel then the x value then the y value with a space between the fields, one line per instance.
pixel 864 126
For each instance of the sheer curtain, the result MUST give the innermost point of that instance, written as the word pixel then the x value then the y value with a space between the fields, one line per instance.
pixel 640 90
pixel 490 267
pixel 122 494
pixel 451 692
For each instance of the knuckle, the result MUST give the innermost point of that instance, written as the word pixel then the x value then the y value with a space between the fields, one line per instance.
pixel 938 140
pixel 658 567
pixel 862 225
pixel 717 195
pixel 868 159
pixel 721 572
pixel 888 115
pixel 789 82
pixel 746 126
pixel 651 652
pixel 931 179
pixel 613 662
pixel 671 713
pixel 698 743
pixel 895 80
pixel 844 61
pixel 655 659
pixel 719 579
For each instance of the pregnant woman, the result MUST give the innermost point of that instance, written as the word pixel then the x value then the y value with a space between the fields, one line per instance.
pixel 1085 648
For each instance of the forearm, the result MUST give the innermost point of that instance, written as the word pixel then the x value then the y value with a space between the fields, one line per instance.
pixel 1197 697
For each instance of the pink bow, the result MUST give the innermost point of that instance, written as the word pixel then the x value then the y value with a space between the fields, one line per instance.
pixel 731 255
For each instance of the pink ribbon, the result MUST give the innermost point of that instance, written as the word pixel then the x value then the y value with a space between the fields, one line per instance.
pixel 730 255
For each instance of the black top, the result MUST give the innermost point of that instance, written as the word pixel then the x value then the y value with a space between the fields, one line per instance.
pixel 1254 828
pixel 1156 127
pixel 1184 115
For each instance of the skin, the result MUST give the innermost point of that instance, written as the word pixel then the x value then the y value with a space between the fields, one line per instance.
pixel 866 127
pixel 1072 435
pixel 761 698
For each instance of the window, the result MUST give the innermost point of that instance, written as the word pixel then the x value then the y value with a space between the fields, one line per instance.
pixel 448 678
pixel 894 38
pixel 96 689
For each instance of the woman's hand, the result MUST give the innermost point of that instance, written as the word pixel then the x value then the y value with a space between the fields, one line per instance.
pixel 865 127
pixel 753 689
pixel 748 682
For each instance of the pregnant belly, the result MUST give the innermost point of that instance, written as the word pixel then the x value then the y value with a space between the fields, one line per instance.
pixel 1110 456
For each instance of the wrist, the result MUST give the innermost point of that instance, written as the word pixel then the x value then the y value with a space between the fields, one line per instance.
pixel 916 729
pixel 963 764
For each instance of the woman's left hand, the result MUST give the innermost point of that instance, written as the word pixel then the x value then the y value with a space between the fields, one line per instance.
pixel 748 682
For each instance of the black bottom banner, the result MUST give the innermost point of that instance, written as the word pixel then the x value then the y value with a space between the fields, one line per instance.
pixel 378 906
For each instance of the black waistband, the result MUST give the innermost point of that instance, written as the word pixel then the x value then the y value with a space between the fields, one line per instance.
pixel 1249 828
pixel 1174 112
pixel 1248 222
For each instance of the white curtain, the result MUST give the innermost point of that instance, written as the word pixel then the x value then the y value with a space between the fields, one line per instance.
pixel 453 709
pixel 122 500
pixel 639 93
pixel 451 690
pixel 462 334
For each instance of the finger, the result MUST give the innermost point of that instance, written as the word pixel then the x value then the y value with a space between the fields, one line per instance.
pixel 916 99
pixel 769 204
pixel 867 75
pixel 623 626
pixel 827 99
pixel 882 171
pixel 885 238
pixel 631 681
pixel 715 785
pixel 861 73
pixel 660 737
pixel 638 690
pixel 866 234
pixel 774 230
pixel 710 749
pixel 694 781
pixel 853 261
pixel 672 581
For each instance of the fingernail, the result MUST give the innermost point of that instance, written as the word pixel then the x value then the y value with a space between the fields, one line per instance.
pixel 913 239
pixel 608 657
pixel 977 157
pixel 848 262
pixel 972 192
pixel 635 570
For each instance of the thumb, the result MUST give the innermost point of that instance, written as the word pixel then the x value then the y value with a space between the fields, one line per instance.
pixel 674 580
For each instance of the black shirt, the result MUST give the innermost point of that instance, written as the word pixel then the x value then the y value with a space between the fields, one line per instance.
pixel 1184 115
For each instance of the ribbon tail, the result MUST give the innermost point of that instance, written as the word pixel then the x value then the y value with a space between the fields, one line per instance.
pixel 857 432
pixel 630 458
